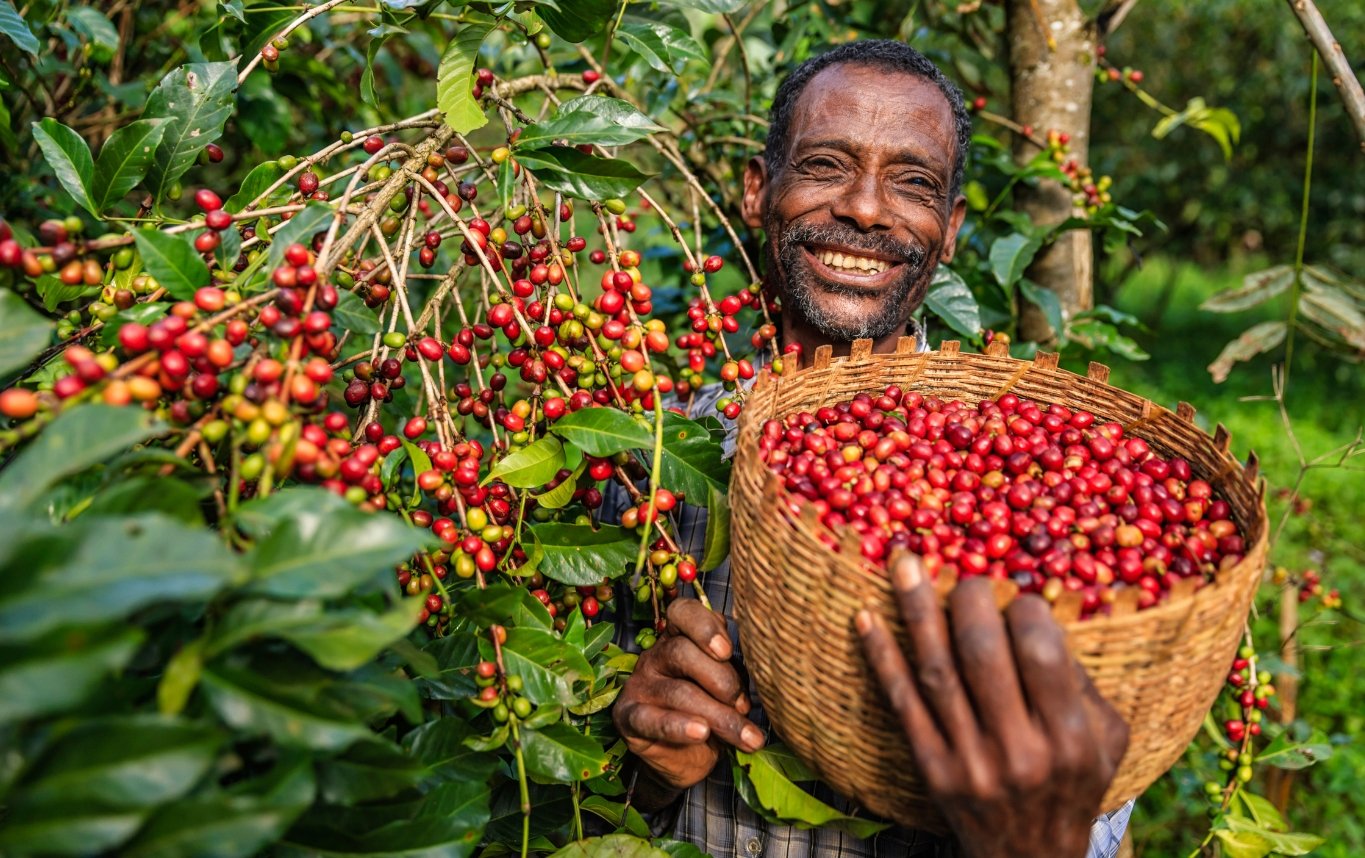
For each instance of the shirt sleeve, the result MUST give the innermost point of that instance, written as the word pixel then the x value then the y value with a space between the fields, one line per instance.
pixel 1106 832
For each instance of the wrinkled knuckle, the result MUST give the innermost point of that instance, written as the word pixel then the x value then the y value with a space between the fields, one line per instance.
pixel 938 676
pixel 1038 649
pixel 1027 765
pixel 977 650
pixel 984 784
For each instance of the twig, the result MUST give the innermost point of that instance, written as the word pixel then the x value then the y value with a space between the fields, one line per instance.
pixel 1347 84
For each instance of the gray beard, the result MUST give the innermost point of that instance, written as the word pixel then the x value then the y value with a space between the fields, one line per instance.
pixel 801 286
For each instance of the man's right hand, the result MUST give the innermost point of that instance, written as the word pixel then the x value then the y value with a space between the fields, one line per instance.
pixel 685 699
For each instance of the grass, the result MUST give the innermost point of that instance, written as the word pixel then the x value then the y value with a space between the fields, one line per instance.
pixel 1323 397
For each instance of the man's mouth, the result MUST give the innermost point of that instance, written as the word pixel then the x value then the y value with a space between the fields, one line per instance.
pixel 850 267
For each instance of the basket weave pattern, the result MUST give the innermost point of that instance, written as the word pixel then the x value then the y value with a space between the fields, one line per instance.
pixel 795 599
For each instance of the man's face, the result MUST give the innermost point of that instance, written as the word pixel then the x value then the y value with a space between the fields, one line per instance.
pixel 860 213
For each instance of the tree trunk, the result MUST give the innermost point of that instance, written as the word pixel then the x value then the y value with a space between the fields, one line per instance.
pixel 1052 77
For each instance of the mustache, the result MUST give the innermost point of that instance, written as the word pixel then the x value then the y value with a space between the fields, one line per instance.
pixel 845 236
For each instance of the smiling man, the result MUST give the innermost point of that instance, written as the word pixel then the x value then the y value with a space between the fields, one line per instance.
pixel 858 196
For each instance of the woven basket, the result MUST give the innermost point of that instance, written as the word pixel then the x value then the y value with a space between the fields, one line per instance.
pixel 795 600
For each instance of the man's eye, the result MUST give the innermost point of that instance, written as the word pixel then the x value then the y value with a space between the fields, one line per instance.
pixel 821 165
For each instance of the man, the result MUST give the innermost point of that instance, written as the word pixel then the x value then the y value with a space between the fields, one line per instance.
pixel 858 193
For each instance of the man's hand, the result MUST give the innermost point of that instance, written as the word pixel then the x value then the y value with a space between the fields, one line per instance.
pixel 1012 740
pixel 685 699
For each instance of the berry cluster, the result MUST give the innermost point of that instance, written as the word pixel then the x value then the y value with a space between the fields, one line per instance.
pixel 1052 499
pixel 1249 692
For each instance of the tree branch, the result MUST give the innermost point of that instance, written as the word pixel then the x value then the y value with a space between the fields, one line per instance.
pixel 1330 50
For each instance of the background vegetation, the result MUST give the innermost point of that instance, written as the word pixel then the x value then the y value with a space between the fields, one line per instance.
pixel 1187 221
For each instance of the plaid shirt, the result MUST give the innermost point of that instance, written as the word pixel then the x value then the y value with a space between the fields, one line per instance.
pixel 712 816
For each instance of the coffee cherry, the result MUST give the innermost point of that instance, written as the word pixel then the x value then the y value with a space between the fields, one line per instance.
pixel 1052 499
pixel 17 403
pixel 208 200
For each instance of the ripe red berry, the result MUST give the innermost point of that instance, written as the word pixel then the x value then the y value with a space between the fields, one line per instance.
pixel 207 200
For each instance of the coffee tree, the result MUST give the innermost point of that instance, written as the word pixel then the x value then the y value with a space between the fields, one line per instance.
pixel 305 455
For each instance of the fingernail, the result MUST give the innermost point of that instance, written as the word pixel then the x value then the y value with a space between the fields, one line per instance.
pixel 720 646
pixel 752 738
pixel 907 574
pixel 742 705
pixel 863 620
pixel 697 731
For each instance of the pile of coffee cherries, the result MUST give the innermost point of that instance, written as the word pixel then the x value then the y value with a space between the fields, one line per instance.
pixel 1052 499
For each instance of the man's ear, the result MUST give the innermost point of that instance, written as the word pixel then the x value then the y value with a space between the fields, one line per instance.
pixel 954 226
pixel 755 193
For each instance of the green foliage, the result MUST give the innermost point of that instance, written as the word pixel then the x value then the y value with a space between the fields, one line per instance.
pixel 183 668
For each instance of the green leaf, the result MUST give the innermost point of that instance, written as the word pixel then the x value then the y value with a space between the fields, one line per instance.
pixel 617 814
pixel 588 177
pixel 561 494
pixel 12 25
pixel 328 549
pixel 1281 842
pixel 124 160
pixel 173 261
pixel 1257 288
pixel 117 566
pixel 262 176
pixel 590 119
pixel 1047 301
pixel 717 543
pixel 91 23
pixel 579 555
pixel 300 229
pixel 441 746
pixel 1262 811
pixel 547 665
pixel 455 79
pixel 282 703
pixel 727 7
pixel 602 431
pixel 235 824
pixel 1010 255
pixel 530 467
pixel 1253 341
pixel 951 300
pixel 60 671
pixel 367 76
pixel 663 47
pixel 78 438
pixel 69 829
pixel 578 20
pixel 692 460
pixel 1285 753
pixel 1243 844
pixel 134 761
pixel 768 771
pixel 560 754
pixel 447 822
pixel 23 333
pixel 69 157
pixel 352 315
pixel 1218 122
pixel 173 498
pixel 368 771
pixel 1097 334
pixel 180 678
pixel 345 640
pixel 634 845
pixel 196 99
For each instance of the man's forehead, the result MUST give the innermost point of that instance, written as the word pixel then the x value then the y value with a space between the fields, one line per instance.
pixel 851 99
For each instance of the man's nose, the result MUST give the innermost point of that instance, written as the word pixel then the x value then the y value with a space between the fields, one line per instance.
pixel 861 203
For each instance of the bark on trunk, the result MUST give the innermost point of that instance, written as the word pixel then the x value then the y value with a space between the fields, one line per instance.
pixel 1052 64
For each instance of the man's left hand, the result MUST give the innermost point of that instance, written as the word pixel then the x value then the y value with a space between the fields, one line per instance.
pixel 1012 740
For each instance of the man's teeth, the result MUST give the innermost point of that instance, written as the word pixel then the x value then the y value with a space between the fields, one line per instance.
pixel 853 264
